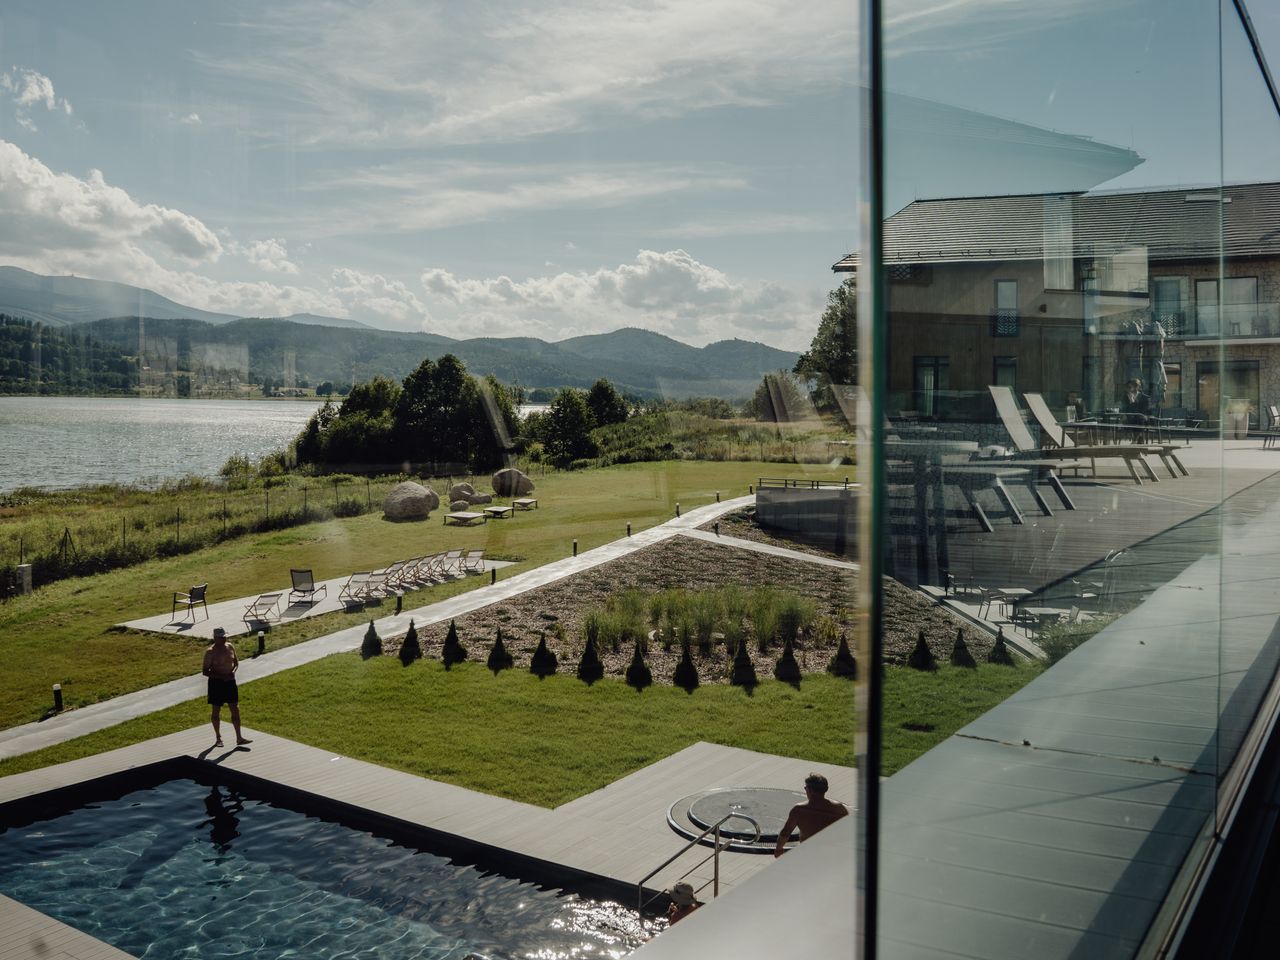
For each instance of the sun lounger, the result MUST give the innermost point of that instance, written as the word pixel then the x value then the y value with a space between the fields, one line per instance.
pixel 473 562
pixel 1011 417
pixel 263 609
pixel 391 574
pixel 1060 438
pixel 356 590
pixel 304 587
pixel 451 563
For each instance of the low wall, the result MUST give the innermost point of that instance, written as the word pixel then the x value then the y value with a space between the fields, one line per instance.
pixel 825 518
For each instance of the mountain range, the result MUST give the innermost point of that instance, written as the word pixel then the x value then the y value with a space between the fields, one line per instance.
pixel 161 334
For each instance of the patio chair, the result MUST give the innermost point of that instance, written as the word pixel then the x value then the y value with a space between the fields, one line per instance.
pixel 1011 417
pixel 1273 427
pixel 473 562
pixel 1060 438
pixel 356 590
pixel 191 599
pixel 412 571
pixel 304 587
pixel 391 574
pixel 451 563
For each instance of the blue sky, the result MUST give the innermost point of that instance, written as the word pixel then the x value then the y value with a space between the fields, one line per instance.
pixel 548 169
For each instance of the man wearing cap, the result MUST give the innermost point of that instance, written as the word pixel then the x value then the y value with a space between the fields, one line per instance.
pixel 816 813
pixel 220 665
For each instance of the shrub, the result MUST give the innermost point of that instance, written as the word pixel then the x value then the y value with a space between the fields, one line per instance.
pixel 843 663
pixel 743 672
pixel 454 651
pixel 794 614
pixel 499 657
pixel 544 661
pixel 921 657
pixel 786 669
pixel 371 646
pixel 590 669
pixel 1000 651
pixel 410 649
pixel 686 674
pixel 960 655
pixel 764 618
pixel 638 673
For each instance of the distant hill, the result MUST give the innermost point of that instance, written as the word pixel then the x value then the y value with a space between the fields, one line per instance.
pixel 172 343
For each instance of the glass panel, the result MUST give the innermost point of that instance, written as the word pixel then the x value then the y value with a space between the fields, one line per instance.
pixel 1043 150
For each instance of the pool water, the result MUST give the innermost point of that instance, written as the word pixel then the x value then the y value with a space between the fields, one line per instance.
pixel 188 870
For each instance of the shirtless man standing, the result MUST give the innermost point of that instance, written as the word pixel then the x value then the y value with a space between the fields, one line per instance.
pixel 816 813
pixel 220 665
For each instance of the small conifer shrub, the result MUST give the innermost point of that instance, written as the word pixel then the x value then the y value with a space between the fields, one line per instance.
pixel 743 673
pixel 638 673
pixel 787 669
pixel 371 646
pixel 686 673
pixel 960 655
pixel 454 651
pixel 544 661
pixel 410 648
pixel 1000 652
pixel 843 663
pixel 499 657
pixel 922 657
pixel 590 669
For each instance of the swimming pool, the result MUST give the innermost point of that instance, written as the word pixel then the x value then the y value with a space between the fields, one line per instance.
pixel 196 869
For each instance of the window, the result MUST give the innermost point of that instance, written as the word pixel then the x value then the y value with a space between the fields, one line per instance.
pixel 1166 304
pixel 1236 314
pixel 930 380
pixel 1005 322
pixel 1004 372
pixel 1228 386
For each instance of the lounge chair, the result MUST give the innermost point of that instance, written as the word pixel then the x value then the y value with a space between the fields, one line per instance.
pixel 1060 438
pixel 412 571
pixel 263 609
pixel 355 592
pixel 473 562
pixel 1011 416
pixel 451 563
pixel 304 587
pixel 391 575
pixel 191 599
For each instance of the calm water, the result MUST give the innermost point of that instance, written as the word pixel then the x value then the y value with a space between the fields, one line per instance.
pixel 59 442
pixel 189 871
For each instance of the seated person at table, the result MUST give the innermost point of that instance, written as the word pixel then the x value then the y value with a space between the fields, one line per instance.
pixel 1075 407
pixel 1135 406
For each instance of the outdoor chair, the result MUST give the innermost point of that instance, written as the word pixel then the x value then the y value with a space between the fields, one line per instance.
pixel 1060 438
pixel 262 609
pixel 1011 417
pixel 356 590
pixel 191 599
pixel 451 563
pixel 391 574
pixel 473 562
pixel 412 571
pixel 304 587
pixel 1273 427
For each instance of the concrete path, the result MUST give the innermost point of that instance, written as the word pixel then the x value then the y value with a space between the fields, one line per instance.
pixel 77 723
pixel 767 548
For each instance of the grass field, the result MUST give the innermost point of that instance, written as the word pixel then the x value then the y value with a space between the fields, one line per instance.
pixel 546 742
pixel 63 633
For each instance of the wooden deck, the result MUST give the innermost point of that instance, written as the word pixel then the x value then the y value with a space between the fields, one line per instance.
pixel 618 833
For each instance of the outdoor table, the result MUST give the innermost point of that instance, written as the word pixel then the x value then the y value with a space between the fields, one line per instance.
pixel 525 503
pixel 465 518
pixel 499 512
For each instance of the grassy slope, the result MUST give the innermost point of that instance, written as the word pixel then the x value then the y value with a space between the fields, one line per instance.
pixel 63 633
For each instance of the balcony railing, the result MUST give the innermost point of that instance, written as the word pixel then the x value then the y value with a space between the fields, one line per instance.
pixel 1251 321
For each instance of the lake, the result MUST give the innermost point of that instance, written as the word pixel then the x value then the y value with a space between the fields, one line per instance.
pixel 60 442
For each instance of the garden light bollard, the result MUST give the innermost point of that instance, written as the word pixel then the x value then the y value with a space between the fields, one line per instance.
pixel 493 576
pixel 717 496
pixel 262 642
pixel 399 602
pixel 57 697
pixel 677 508
pixel 575 548
pixel 628 528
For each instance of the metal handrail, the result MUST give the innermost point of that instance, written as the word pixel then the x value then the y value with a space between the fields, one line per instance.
pixel 714 828
pixel 793 484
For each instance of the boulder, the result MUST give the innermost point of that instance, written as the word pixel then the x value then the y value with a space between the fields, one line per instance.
pixel 462 491
pixel 459 505
pixel 481 498
pixel 409 501
pixel 512 483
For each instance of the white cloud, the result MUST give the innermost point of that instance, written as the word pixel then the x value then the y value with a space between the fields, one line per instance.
pixel 271 255
pixel 407 71
pixel 373 296
pixel 47 212
pixel 191 119
pixel 31 89
pixel 670 292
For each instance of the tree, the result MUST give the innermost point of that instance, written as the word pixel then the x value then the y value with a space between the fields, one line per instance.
pixel 832 358
pixel 569 430
pixel 410 648
pixel 777 399
pixel 607 405
pixel 325 389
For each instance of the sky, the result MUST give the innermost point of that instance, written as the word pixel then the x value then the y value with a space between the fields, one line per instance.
pixel 553 168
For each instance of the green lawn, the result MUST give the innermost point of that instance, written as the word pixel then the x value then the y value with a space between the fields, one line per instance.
pixel 63 633
pixel 546 742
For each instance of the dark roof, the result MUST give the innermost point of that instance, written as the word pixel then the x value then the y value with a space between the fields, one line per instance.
pixel 1170 224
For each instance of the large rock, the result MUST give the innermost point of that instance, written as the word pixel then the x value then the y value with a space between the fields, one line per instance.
pixel 478 498
pixel 409 501
pixel 459 505
pixel 512 483
pixel 462 491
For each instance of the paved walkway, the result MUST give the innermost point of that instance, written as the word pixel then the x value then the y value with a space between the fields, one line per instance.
pixel 77 723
